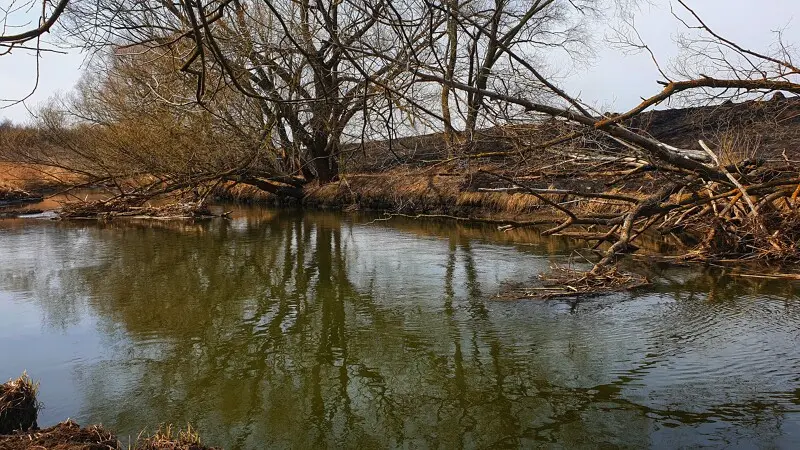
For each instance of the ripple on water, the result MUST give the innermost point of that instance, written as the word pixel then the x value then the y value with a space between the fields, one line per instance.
pixel 701 355
pixel 285 329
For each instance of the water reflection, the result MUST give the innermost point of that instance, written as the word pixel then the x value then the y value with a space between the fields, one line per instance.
pixel 286 330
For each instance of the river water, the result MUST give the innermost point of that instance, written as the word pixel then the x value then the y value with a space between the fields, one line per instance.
pixel 288 330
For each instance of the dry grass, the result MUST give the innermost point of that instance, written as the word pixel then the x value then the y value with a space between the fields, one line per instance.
pixel 418 191
pixel 169 438
pixel 69 435
pixel 64 436
pixel 400 190
pixel 35 178
pixel 18 405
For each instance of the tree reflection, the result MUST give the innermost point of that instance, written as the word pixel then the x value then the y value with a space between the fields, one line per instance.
pixel 289 330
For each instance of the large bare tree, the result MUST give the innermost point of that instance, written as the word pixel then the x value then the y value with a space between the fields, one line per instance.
pixel 314 67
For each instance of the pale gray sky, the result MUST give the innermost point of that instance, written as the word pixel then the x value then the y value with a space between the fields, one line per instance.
pixel 611 81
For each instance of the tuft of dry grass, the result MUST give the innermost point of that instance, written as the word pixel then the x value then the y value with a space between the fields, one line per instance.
pixel 18 405
pixel 169 438
pixel 245 193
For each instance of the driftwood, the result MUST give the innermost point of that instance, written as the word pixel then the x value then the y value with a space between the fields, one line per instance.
pixel 10 196
pixel 121 208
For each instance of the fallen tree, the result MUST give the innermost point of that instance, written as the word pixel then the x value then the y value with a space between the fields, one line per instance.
pixel 742 209
pixel 724 199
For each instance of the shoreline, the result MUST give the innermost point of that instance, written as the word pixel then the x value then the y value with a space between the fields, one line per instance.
pixel 447 191
pixel 19 430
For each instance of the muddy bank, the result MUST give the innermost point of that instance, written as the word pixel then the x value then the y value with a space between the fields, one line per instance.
pixel 13 196
pixel 19 430
pixel 133 208
pixel 69 435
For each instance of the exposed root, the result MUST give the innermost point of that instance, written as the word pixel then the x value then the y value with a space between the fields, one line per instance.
pixel 18 405
pixel 562 281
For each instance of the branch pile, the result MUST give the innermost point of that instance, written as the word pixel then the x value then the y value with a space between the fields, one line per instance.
pixel 133 209
pixel 566 282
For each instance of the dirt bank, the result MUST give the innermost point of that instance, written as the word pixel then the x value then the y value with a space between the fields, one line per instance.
pixel 27 183
pixel 476 194
pixel 12 195
pixel 19 431
pixel 584 183
pixel 70 436
pixel 64 436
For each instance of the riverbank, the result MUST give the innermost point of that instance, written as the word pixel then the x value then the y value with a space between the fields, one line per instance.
pixel 19 429
pixel 483 192
pixel 22 183
pixel 738 204
pixel 68 435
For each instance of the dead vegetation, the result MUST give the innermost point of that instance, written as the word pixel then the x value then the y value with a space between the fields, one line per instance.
pixel 592 190
pixel 64 436
pixel 69 435
pixel 568 282
pixel 132 208
pixel 169 438
pixel 18 406
pixel 19 431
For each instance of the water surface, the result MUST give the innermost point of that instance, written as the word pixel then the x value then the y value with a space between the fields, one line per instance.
pixel 289 330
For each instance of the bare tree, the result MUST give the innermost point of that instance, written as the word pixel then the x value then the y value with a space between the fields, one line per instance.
pixel 14 37
pixel 19 33
pixel 311 66
pixel 716 188
pixel 309 75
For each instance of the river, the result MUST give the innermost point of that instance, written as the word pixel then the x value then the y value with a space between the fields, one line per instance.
pixel 284 329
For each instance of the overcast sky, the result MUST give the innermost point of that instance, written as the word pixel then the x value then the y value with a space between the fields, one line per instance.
pixel 611 81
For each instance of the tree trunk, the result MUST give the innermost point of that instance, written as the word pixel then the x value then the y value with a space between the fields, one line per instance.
pixel 325 156
pixel 452 41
